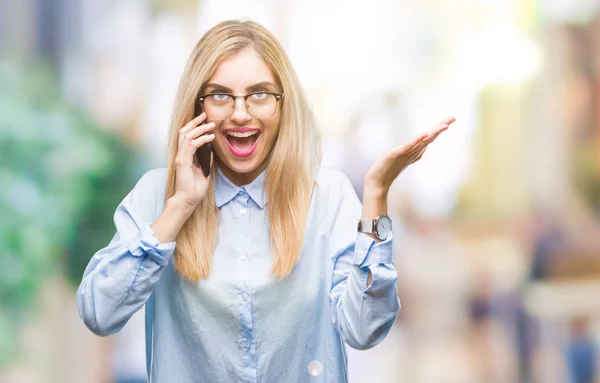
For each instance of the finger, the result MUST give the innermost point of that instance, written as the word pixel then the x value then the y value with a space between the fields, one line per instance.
pixel 188 146
pixel 203 139
pixel 423 139
pixel 193 123
pixel 419 143
pixel 198 131
pixel 441 126
pixel 438 129
pixel 195 133
pixel 421 154
pixel 433 135
pixel 190 149
pixel 447 121
pixel 409 146
pixel 415 155
pixel 418 139
pixel 198 142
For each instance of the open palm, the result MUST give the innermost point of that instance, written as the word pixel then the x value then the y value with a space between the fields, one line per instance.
pixel 384 171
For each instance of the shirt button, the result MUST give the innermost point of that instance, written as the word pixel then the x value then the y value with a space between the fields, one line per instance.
pixel 243 258
pixel 243 211
pixel 247 344
pixel 244 296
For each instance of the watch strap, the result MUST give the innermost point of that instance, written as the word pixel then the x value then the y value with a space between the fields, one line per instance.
pixel 366 226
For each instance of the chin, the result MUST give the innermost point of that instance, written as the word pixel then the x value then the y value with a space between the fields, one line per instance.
pixel 239 165
pixel 242 168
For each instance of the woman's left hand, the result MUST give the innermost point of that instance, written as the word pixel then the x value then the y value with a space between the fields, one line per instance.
pixel 384 171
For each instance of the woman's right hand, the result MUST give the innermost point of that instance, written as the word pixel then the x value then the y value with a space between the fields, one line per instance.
pixel 190 183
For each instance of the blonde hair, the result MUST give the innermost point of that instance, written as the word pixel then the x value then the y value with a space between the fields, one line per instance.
pixel 292 164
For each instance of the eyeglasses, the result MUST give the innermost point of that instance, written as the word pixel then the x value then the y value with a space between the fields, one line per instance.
pixel 220 106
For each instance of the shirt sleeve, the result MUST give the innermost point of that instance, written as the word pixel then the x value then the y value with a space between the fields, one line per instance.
pixel 120 278
pixel 362 314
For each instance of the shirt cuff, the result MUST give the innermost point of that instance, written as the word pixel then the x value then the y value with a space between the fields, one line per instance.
pixel 367 252
pixel 146 243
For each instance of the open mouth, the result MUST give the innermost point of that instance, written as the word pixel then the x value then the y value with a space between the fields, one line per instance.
pixel 242 144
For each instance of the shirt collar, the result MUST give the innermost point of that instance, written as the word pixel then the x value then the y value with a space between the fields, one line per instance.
pixel 225 190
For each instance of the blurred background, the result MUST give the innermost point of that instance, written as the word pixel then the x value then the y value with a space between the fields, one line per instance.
pixel 497 227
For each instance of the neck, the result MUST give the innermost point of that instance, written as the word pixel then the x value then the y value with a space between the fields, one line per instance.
pixel 240 179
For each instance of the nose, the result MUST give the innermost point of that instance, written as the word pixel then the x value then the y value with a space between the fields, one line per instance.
pixel 240 112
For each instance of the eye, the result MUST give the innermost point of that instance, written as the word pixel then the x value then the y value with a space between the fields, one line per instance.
pixel 259 96
pixel 219 97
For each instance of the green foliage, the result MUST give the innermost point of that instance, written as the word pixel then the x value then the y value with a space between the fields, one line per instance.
pixel 61 177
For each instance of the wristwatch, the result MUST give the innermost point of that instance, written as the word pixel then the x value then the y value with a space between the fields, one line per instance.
pixel 381 226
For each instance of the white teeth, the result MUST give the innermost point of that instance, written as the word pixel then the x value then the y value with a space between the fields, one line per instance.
pixel 245 134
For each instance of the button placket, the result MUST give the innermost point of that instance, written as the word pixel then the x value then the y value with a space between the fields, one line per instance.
pixel 242 214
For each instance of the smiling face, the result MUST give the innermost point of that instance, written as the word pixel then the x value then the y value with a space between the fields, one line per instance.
pixel 242 142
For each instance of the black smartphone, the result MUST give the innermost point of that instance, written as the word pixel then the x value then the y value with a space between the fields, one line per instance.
pixel 202 155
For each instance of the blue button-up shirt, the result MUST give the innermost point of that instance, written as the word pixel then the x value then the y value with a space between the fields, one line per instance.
pixel 241 324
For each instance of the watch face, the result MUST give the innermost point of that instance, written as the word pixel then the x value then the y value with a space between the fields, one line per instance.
pixel 384 226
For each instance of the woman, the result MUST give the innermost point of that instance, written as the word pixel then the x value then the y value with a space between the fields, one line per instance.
pixel 256 272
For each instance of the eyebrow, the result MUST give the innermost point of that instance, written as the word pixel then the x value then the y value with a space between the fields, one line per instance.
pixel 221 88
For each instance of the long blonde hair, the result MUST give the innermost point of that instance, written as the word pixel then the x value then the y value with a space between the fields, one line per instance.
pixel 292 164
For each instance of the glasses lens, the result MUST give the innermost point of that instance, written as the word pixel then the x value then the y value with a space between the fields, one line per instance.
pixel 262 105
pixel 218 106
pixel 221 106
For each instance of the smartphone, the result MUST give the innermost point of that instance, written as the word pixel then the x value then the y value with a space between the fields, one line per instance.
pixel 202 155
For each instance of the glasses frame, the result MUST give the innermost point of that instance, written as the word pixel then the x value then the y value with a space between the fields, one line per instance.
pixel 202 98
